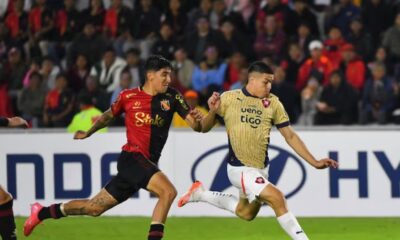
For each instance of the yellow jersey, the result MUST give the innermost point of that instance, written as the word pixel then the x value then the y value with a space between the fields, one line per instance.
pixel 248 121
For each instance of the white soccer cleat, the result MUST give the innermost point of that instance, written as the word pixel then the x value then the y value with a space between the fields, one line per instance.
pixel 193 195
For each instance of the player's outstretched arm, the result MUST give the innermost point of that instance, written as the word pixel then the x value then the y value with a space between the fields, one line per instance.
pixel 104 120
pixel 208 122
pixel 300 148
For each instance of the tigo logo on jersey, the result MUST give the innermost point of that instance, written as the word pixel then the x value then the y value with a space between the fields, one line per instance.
pixel 260 180
pixel 165 105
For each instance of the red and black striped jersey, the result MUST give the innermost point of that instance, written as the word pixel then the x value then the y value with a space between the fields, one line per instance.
pixel 148 119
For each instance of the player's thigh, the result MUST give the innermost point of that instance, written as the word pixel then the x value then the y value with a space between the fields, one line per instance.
pixel 4 195
pixel 250 181
pixel 161 186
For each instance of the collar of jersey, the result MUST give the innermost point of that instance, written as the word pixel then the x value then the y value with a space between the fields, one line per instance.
pixel 246 93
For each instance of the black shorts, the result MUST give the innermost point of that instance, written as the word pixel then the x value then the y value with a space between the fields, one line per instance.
pixel 134 173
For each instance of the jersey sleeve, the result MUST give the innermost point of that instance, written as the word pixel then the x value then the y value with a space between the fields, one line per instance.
pixel 224 104
pixel 117 107
pixel 181 106
pixel 281 119
pixel 3 122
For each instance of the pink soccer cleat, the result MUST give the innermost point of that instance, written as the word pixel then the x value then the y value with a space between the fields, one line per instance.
pixel 192 194
pixel 33 219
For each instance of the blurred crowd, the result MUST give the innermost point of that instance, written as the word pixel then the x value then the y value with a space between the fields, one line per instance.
pixel 335 61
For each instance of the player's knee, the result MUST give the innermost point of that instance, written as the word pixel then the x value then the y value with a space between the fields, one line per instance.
pixel 169 194
pixel 277 199
pixel 245 214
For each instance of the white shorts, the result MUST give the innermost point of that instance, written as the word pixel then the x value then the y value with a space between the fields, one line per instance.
pixel 250 181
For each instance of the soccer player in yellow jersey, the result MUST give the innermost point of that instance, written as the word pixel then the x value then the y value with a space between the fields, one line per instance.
pixel 249 115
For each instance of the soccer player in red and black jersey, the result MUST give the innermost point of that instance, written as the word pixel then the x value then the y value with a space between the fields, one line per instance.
pixel 148 114
pixel 7 223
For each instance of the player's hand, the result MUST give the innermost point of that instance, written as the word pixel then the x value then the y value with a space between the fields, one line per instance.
pixel 325 163
pixel 81 135
pixel 214 102
pixel 196 114
pixel 17 122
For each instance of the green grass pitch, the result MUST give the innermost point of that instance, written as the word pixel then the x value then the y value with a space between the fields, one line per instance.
pixel 121 228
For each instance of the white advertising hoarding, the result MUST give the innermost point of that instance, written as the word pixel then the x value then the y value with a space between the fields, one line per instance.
pixel 52 167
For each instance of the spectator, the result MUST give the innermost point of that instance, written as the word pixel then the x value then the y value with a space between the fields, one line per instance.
pixel 242 80
pixel 209 75
pixel 278 9
pixel 377 17
pixel 301 14
pixel 117 20
pixel 94 14
pixel 135 66
pixel 292 63
pixel 108 70
pixel 391 40
pixel 31 100
pixel 381 57
pixel 333 45
pixel 303 38
pixel 49 72
pixel 345 11
pixel 78 73
pixel 176 18
pixel 59 104
pixel 192 99
pixel 16 21
pixel 338 102
pixel 165 45
pixel 287 94
pixel 184 67
pixel 125 83
pixel 34 67
pixel 270 40
pixel 197 42
pixel 67 22
pixel 317 67
pixel 360 39
pixel 202 11
pixel 100 98
pixel 353 67
pixel 377 99
pixel 17 70
pixel 88 43
pixel 41 29
pixel 235 64
pixel 309 98
pixel 233 41
pixel 87 116
pixel 147 26
pixel 220 12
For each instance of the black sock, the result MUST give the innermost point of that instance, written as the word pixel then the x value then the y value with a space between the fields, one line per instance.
pixel 7 223
pixel 156 232
pixel 53 211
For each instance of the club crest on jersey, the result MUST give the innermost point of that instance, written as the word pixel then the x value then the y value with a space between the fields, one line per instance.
pixel 165 105
pixel 260 180
pixel 266 102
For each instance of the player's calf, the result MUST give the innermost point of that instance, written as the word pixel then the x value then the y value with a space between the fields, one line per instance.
pixel 7 223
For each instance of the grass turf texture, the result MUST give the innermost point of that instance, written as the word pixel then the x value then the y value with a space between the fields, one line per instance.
pixel 106 228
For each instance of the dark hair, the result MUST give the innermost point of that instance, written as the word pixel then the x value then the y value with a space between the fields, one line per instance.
pixel 62 75
pixel 85 99
pixel 260 67
pixel 156 62
pixel 36 74
pixel 134 51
